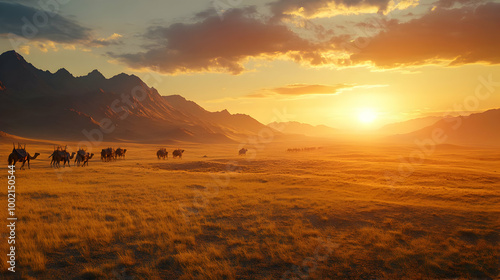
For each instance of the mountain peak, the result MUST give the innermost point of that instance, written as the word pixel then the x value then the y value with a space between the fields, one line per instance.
pixel 12 55
pixel 126 77
pixel 95 74
pixel 122 74
pixel 63 73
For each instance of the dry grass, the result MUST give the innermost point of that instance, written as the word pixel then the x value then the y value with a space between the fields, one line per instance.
pixel 325 214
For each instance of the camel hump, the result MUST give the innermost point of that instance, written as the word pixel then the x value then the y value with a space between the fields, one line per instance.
pixel 20 152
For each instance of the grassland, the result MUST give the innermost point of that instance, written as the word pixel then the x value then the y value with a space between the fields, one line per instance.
pixel 340 212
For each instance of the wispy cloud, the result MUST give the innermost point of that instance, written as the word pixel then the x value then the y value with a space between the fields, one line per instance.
pixel 297 90
pixel 302 89
pixel 114 39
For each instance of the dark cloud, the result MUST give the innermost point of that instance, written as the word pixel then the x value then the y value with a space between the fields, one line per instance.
pixel 463 35
pixel 35 24
pixel 213 44
pixel 224 45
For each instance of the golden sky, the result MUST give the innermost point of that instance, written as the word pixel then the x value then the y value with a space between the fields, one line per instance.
pixel 347 64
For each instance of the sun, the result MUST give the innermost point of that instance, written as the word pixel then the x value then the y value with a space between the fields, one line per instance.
pixel 367 116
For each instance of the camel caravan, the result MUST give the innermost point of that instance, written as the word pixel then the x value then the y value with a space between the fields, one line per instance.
pixel 306 149
pixel 21 155
pixel 110 154
pixel 82 157
pixel 59 155
pixel 163 154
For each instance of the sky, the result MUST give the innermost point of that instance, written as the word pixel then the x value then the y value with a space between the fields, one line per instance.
pixel 348 64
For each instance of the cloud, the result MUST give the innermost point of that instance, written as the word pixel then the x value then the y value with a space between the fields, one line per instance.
pixel 296 90
pixel 453 32
pixel 215 45
pixel 46 46
pixel 34 24
pixel 462 35
pixel 305 89
pixel 450 3
pixel 25 49
pixel 329 8
pixel 111 40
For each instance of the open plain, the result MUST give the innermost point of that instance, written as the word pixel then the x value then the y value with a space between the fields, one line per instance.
pixel 365 211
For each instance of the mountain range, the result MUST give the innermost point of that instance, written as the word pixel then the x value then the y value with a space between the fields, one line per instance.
pixel 41 104
pixel 59 106
pixel 409 125
pixel 304 129
pixel 478 129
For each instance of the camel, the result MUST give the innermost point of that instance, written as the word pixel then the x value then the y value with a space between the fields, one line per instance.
pixel 108 154
pixel 87 158
pixel 56 156
pixel 177 153
pixel 162 153
pixel 61 155
pixel 20 155
pixel 243 152
pixel 120 152
pixel 65 157
pixel 80 156
pixel 83 157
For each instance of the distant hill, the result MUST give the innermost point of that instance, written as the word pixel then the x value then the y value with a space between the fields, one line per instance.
pixel 303 129
pixel 6 136
pixel 479 129
pixel 231 124
pixel 41 104
pixel 409 126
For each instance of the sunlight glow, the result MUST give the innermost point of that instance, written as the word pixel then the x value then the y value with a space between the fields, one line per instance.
pixel 367 116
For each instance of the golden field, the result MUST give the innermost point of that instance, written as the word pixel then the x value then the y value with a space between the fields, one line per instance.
pixel 339 212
